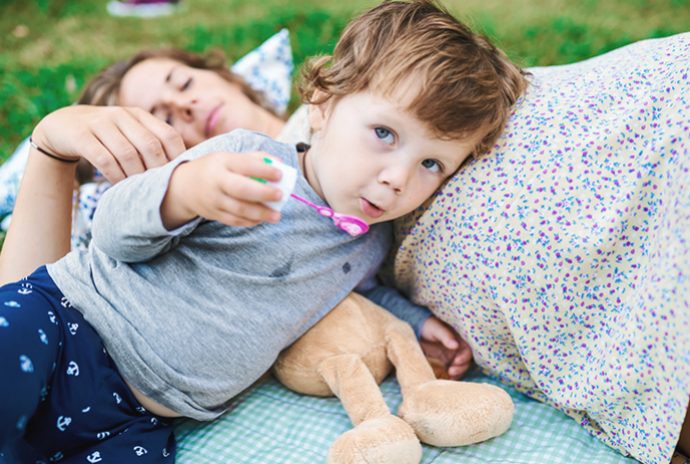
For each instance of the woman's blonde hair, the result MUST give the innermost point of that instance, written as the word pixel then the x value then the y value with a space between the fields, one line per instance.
pixel 466 85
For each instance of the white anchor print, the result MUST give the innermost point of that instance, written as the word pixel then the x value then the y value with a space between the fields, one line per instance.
pixel 56 457
pixel 25 363
pixel 73 369
pixel 86 409
pixel 44 393
pixel 154 421
pixel 3 322
pixel 73 326
pixel 140 450
pixel 165 453
pixel 94 457
pixel 21 423
pixel 42 335
pixel 102 435
pixel 12 304
pixel 63 422
pixel 118 400
pixel 65 302
pixel 140 409
pixel 26 289
pixel 51 315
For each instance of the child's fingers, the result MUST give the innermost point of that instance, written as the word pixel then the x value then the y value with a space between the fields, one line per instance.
pixel 255 164
pixel 244 188
pixel 446 336
pixel 255 212
pixel 463 356
pixel 236 221
pixel 449 341
pixel 455 372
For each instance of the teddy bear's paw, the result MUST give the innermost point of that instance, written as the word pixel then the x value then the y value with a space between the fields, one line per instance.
pixel 383 440
pixel 450 413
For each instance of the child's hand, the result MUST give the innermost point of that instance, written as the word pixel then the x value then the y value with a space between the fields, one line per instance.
pixel 444 346
pixel 219 187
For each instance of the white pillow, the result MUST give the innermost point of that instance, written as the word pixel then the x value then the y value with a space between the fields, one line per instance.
pixel 267 68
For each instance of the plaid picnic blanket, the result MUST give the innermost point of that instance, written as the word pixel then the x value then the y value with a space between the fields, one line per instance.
pixel 271 424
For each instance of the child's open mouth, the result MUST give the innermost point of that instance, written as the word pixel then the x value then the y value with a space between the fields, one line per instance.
pixel 370 209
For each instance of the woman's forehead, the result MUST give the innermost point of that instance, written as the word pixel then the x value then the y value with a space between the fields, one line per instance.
pixel 141 84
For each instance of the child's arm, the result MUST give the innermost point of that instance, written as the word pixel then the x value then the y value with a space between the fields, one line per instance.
pixel 147 214
pixel 390 299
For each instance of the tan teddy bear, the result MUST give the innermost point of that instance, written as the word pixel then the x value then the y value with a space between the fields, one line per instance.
pixel 350 351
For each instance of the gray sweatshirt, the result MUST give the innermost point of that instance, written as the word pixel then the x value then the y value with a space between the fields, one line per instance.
pixel 195 315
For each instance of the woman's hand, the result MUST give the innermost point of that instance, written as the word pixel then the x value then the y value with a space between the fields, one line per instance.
pixel 444 347
pixel 219 187
pixel 118 141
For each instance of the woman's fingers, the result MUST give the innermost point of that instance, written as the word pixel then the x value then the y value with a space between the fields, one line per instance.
pixel 121 148
pixel 149 148
pixel 161 141
pixel 103 159
pixel 136 140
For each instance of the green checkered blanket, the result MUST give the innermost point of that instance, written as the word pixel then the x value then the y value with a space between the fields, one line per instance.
pixel 271 424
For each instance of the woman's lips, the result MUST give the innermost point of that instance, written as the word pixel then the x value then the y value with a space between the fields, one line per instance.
pixel 212 120
pixel 370 209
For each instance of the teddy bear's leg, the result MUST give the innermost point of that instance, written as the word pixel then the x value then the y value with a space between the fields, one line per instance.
pixel 443 412
pixel 378 437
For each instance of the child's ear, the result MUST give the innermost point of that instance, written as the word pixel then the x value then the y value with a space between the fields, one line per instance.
pixel 318 114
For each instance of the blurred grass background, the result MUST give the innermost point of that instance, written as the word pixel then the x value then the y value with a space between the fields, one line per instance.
pixel 49 48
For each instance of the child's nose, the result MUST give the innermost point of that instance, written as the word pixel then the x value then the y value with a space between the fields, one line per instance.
pixel 395 177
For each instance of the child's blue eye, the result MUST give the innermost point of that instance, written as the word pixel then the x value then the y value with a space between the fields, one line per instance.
pixel 384 134
pixel 432 165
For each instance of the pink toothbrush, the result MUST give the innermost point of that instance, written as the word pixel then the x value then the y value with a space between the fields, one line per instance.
pixel 350 224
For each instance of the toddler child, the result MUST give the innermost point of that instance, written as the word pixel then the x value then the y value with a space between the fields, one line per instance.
pixel 192 285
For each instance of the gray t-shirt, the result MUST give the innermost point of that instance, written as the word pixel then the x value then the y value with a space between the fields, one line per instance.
pixel 193 316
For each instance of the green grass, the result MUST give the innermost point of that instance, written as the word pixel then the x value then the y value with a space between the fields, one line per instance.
pixel 49 48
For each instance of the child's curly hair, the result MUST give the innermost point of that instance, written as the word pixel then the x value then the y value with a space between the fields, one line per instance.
pixel 467 85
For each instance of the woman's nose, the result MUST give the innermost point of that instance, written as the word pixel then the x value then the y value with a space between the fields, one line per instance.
pixel 182 106
pixel 186 109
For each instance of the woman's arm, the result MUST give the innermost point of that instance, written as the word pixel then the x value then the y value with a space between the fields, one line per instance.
pixel 40 228
pixel 117 141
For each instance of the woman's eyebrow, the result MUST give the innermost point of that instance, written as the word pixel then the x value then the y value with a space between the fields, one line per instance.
pixel 169 76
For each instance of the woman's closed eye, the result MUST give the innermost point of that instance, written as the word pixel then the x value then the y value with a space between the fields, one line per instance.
pixel 186 85
pixel 385 135
pixel 432 165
